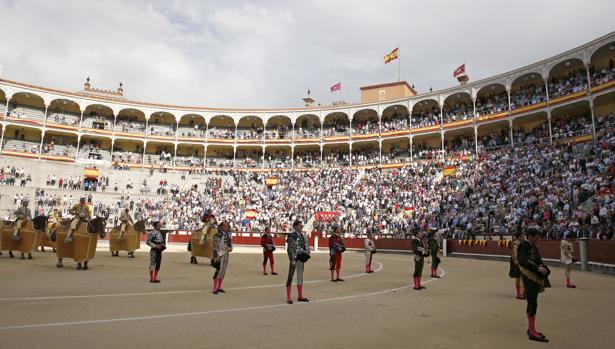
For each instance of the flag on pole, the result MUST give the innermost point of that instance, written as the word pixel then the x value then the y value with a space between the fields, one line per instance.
pixel 460 70
pixel 336 87
pixel 391 56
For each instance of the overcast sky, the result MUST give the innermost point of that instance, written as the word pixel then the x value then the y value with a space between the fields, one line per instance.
pixel 268 53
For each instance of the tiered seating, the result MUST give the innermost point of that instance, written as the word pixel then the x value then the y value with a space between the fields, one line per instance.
pixel 20 146
pixel 165 130
pixel 126 126
pixel 97 122
pixel 59 150
pixel 68 119
pixel 192 132
pixel 27 114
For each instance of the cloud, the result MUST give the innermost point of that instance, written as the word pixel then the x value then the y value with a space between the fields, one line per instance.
pixel 268 53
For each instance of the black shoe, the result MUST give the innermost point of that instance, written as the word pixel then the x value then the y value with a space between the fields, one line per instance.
pixel 157 281
pixel 338 279
pixel 152 281
pixel 423 287
pixel 29 256
pixel 274 273
pixel 85 267
pixel 303 299
pixel 221 290
pixel 290 301
pixel 11 254
pixel 215 292
pixel 333 280
pixel 571 286
pixel 79 267
pixel 539 338
pixel 59 265
pixel 416 288
pixel 264 273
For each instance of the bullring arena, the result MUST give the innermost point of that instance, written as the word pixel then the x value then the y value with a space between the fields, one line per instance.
pixel 114 306
pixel 470 166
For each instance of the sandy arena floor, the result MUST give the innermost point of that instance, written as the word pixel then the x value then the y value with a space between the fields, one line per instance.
pixel 114 306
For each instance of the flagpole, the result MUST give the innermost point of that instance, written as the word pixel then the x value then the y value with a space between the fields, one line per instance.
pixel 398 64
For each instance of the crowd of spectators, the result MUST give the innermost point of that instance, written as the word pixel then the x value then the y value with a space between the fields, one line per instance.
pixel 11 175
pixel 575 81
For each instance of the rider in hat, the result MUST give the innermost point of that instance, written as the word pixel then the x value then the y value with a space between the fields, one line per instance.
pixel 125 219
pixel 81 213
pixel 23 215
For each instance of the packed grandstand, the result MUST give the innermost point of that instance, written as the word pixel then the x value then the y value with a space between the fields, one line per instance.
pixel 529 147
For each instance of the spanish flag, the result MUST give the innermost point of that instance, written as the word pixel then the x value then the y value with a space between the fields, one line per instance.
pixel 391 56
pixel 250 214
pixel 271 181
pixel 449 171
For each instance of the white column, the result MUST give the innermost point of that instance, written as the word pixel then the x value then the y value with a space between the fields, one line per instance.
pixel 40 146
pixel 548 109
pixel 510 129
pixel 45 117
pixel 78 143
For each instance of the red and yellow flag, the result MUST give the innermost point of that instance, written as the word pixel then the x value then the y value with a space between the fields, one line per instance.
pixel 391 56
pixel 449 171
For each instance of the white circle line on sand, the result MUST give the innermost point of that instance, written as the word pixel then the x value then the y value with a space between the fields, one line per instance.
pixel 208 312
pixel 138 294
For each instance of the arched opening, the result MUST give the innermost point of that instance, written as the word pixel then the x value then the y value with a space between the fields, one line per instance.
pixel 63 112
pixel 3 105
pixel 249 157
pixel 220 156
pixel 20 139
pixel 457 107
pixel 604 111
pixel 191 126
pixel 395 118
pixel 336 155
pixel 221 127
pixel 493 136
pixel 307 126
pixel 28 108
pixel 567 77
pixel 59 144
pixel 97 117
pixel 250 127
pixel 571 120
pixel 425 113
pixel 190 157
pixel 602 66
pixel 159 154
pixel 95 150
pixel 459 142
pixel 365 122
pixel 307 156
pixel 491 99
pixel 161 124
pixel 530 129
pixel 336 124
pixel 427 146
pixel 278 127
pixel 396 150
pixel 130 122
pixel 365 153
pixel 127 153
pixel 526 90
pixel 278 156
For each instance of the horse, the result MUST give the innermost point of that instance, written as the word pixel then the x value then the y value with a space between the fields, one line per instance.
pixel 83 247
pixel 28 241
pixel 130 241
pixel 40 224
